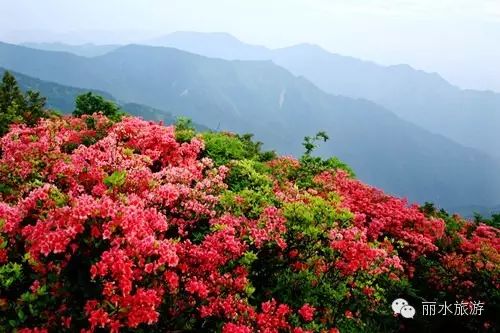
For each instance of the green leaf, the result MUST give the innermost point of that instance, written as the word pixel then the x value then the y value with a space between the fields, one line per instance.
pixel 116 179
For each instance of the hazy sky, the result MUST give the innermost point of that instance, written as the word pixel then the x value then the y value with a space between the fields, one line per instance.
pixel 460 39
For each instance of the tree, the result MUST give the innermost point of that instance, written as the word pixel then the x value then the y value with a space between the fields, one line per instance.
pixel 16 107
pixel 10 93
pixel 34 107
pixel 310 142
pixel 90 103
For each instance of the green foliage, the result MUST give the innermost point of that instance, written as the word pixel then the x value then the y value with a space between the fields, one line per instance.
pixel 248 174
pixel 58 197
pixel 311 166
pixel 116 179
pixel 33 107
pixel 9 274
pixel 245 203
pixel 493 221
pixel 184 129
pixel 309 142
pixel 223 147
pixel 250 189
pixel 91 103
pixel 16 107
pixel 10 93
pixel 312 219
pixel 254 148
pixel 248 258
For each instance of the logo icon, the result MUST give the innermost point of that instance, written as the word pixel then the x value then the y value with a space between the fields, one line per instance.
pixel 398 304
pixel 402 307
pixel 408 311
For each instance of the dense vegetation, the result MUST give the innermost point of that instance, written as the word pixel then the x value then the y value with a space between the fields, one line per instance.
pixel 128 225
pixel 18 107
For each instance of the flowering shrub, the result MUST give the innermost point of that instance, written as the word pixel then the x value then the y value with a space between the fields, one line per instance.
pixel 131 226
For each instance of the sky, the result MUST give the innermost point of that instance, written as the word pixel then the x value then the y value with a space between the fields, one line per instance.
pixel 459 39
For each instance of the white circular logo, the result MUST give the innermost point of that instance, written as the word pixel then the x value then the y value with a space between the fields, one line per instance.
pixel 398 304
pixel 408 311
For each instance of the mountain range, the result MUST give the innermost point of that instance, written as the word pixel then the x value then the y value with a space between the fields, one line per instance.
pixel 471 118
pixel 280 108
pixel 425 99
pixel 86 50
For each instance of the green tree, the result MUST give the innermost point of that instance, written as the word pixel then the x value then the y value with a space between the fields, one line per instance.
pixel 11 100
pixel 309 142
pixel 493 221
pixel 184 129
pixel 34 107
pixel 10 93
pixel 16 107
pixel 310 166
pixel 90 103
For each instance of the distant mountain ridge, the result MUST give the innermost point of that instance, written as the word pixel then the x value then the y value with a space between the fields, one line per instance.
pixel 85 50
pixel 221 45
pixel 265 99
pixel 471 118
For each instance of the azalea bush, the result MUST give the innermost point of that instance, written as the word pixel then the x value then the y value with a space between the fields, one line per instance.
pixel 137 227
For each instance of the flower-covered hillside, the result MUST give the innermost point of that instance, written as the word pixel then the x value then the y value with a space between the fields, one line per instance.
pixel 137 227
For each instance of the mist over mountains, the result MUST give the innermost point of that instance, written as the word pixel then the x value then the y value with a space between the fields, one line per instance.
pixel 280 108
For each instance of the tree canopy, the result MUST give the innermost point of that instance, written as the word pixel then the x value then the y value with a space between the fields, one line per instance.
pixel 90 103
pixel 19 107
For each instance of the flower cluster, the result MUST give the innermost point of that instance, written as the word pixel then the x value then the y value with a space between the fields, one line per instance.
pixel 125 227
pixel 382 217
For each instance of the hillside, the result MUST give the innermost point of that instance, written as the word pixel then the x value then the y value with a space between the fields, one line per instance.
pixel 262 98
pixel 62 98
pixel 423 98
pixel 59 97
pixel 134 226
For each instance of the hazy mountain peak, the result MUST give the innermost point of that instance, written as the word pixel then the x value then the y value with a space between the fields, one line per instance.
pixel 212 44
pixel 193 34
pixel 85 50
pixel 306 46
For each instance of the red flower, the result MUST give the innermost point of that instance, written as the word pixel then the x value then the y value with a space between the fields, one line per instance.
pixel 307 312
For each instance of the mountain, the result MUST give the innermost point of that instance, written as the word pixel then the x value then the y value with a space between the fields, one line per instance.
pixel 220 45
pixel 265 99
pixel 86 50
pixel 471 118
pixel 62 98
